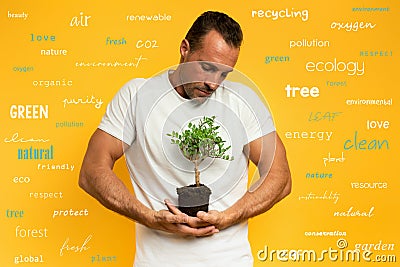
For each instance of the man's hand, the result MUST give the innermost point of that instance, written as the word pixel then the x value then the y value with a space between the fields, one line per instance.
pixel 177 222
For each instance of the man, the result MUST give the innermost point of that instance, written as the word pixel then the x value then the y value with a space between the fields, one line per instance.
pixel 135 124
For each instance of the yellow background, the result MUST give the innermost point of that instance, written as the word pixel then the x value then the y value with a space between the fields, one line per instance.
pixel 284 226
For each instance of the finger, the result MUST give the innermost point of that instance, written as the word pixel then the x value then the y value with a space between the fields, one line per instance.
pixel 204 231
pixel 171 207
pixel 197 222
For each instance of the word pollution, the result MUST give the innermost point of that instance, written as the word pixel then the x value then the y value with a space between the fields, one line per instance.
pixel 63 167
pixel 36 153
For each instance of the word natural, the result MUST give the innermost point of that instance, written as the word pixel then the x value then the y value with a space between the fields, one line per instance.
pixel 29 112
pixel 352 68
pixel 304 91
pixel 318 116
pixel 365 144
pixel 36 153
pixel 357 213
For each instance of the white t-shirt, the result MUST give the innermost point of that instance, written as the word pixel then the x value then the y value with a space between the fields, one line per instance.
pixel 141 114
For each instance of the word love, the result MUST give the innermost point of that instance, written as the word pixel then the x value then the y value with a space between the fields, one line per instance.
pixel 377 124
pixel 40 38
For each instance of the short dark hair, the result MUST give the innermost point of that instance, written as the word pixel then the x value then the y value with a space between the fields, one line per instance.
pixel 220 22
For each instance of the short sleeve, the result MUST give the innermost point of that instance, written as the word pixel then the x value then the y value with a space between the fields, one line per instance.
pixel 255 115
pixel 119 119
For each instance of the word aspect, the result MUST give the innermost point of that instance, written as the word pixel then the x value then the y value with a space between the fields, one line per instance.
pixel 318 116
pixel 352 67
pixel 80 21
pixel 364 144
pixel 29 112
pixel 377 124
pixel 303 91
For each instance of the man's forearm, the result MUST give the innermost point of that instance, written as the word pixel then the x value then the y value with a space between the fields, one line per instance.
pixel 273 189
pixel 110 191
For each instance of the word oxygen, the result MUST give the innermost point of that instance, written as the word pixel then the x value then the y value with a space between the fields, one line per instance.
pixel 36 153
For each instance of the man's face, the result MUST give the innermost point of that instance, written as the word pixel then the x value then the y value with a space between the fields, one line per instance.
pixel 204 69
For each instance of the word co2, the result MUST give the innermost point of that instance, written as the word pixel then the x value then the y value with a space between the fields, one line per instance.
pixel 148 44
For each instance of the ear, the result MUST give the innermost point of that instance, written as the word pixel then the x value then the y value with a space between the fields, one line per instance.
pixel 184 49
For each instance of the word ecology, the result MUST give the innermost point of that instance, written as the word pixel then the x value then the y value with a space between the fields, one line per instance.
pixel 352 68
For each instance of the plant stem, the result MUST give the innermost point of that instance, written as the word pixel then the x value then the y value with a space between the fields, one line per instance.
pixel 197 173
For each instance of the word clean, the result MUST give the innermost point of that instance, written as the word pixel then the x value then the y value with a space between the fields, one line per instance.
pixel 365 144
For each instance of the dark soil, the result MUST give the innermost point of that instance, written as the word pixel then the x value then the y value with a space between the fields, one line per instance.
pixel 192 199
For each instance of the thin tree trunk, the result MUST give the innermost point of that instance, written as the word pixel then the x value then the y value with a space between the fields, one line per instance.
pixel 197 173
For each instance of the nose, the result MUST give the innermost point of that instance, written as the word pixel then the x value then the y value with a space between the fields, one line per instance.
pixel 212 85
